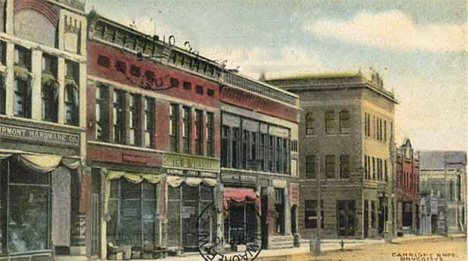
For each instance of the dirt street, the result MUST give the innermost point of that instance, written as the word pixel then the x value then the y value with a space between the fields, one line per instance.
pixel 434 250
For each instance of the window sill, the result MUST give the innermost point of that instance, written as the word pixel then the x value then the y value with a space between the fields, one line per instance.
pixel 311 135
pixel 122 146
pixel 51 124
pixel 258 172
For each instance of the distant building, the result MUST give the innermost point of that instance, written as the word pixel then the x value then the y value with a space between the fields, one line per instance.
pixel 406 189
pixel 346 136
pixel 443 191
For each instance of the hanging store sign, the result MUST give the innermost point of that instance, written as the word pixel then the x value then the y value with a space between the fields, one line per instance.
pixel 294 193
pixel 188 162
pixel 17 132
pixel 238 178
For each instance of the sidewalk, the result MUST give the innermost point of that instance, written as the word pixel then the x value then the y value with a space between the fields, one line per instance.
pixel 300 254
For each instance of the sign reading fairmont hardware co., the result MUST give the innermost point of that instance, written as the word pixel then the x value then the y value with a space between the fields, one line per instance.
pixel 18 132
pixel 189 162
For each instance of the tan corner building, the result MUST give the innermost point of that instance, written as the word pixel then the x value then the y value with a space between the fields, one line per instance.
pixel 346 136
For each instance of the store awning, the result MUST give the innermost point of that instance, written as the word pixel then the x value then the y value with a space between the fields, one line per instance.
pixel 43 163
pixel 175 181
pixel 239 194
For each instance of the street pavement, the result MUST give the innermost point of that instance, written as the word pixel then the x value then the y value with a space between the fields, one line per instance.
pixel 411 248
pixel 436 249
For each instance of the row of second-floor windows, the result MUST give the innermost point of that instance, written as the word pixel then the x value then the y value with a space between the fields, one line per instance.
pixel 375 168
pixel 132 117
pixel 188 125
pixel 408 181
pixel 330 162
pixel 133 122
pixel 330 123
pixel 245 149
pixel 376 128
pixel 50 88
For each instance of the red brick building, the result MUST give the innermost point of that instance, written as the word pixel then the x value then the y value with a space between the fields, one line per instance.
pixel 259 157
pixel 152 141
pixel 406 191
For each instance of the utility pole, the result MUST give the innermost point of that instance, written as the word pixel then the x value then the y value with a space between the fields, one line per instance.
pixel 319 207
pixel 446 199
pixel 315 246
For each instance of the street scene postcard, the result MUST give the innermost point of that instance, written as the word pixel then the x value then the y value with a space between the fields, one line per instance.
pixel 233 130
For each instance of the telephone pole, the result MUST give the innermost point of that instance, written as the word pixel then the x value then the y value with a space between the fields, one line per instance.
pixel 316 248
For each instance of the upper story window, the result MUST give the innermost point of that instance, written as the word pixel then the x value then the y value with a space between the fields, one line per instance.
pixel 71 105
pixel 209 134
pixel 344 166
pixel 2 94
pixel 367 124
pixel 225 145
pixel 71 93
pixel 101 113
pixel 253 150
pixel 103 61
pixel 22 104
pixel 245 148
pixel 118 116
pixel 386 170
pixel 2 52
pixel 174 127
pixel 344 122
pixel 149 122
pixel 22 84
pixel 330 166
pixel 134 120
pixel 23 57
pixel 186 128
pixel 199 89
pixel 235 147
pixel 50 101
pixel 330 122
pixel 50 88
pixel 310 130
pixel 311 166
pixel 385 130
pixel 198 131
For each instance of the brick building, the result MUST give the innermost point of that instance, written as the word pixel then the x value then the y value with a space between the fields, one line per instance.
pixel 346 133
pixel 443 191
pixel 42 123
pixel 153 141
pixel 406 190
pixel 259 160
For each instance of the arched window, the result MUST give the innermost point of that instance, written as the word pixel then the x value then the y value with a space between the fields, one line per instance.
pixel 71 104
pixel 310 124
pixel 50 101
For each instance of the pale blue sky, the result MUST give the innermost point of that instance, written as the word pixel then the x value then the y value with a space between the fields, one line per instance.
pixel 418 47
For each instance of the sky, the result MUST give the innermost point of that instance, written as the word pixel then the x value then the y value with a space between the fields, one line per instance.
pixel 419 47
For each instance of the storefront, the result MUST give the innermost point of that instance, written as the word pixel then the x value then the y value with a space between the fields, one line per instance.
pixel 36 202
pixel 241 215
pixel 132 209
pixel 186 198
